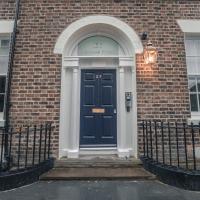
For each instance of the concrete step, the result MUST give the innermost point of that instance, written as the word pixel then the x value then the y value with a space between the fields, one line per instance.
pixel 97 173
pixel 107 162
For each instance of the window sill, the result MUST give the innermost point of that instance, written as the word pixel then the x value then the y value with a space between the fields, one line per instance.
pixel 195 118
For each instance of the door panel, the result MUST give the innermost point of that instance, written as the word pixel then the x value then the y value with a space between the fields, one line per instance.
pixel 98 105
pixel 89 127
pixel 107 127
pixel 107 96
pixel 89 95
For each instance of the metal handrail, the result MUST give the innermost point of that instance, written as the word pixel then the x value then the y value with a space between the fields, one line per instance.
pixel 173 125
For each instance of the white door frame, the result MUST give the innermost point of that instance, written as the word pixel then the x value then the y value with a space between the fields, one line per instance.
pixel 130 42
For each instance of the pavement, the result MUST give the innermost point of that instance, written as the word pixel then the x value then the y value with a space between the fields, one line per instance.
pixel 99 190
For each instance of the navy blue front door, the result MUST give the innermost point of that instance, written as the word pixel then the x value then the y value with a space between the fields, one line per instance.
pixel 98 108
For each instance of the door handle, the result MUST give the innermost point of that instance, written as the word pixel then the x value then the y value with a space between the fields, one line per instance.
pixel 115 111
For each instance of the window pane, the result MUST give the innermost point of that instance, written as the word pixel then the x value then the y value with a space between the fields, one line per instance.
pixel 98 46
pixel 193 102
pixel 4 51
pixel 193 65
pixel 198 47
pixel 4 46
pixel 198 84
pixel 1 103
pixel 199 101
pixel 192 47
pixel 2 84
pixel 198 65
pixel 192 85
pixel 3 64
pixel 5 43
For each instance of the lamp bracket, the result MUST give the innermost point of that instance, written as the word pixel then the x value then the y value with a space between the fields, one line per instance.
pixel 144 36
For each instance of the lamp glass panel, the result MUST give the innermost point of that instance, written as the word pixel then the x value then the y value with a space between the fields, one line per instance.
pixel 150 56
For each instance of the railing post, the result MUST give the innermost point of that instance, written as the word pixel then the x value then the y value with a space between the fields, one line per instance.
pixel 163 147
pixel 193 147
pixel 169 140
pixel 49 140
pixel 40 142
pixel 144 144
pixel 147 140
pixel 177 145
pixel 19 147
pixel 27 141
pixel 10 149
pixel 45 141
pixel 151 143
pixel 185 144
pixel 156 138
pixel 6 158
pixel 2 146
pixel 34 137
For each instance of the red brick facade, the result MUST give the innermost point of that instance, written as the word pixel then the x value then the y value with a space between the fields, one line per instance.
pixel 7 9
pixel 162 89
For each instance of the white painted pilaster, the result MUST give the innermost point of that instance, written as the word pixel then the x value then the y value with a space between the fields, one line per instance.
pixel 74 145
pixel 123 149
pixel 122 116
pixel 134 124
pixel 68 142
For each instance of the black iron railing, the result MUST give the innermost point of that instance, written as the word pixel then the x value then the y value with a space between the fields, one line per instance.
pixel 171 144
pixel 27 147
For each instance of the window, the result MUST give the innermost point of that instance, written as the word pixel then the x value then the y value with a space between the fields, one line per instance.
pixel 98 46
pixel 4 57
pixel 192 45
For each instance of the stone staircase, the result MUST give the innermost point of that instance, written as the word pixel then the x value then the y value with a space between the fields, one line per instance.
pixel 97 167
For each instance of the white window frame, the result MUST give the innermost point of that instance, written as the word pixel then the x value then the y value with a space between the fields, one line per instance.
pixel 6 28
pixel 193 36
pixel 197 93
pixel 191 28
pixel 195 115
pixel 2 113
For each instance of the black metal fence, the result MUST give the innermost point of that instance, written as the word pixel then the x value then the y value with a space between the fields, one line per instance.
pixel 172 143
pixel 25 147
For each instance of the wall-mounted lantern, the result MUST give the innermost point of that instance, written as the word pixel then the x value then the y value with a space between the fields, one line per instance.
pixel 150 54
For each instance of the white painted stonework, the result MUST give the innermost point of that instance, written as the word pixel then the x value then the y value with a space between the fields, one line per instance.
pixel 72 64
pixel 189 26
pixel 6 26
pixel 81 28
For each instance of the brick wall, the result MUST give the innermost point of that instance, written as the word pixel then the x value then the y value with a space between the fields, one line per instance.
pixel 162 89
pixel 7 9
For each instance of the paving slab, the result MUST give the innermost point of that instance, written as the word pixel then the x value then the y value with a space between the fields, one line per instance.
pixel 99 190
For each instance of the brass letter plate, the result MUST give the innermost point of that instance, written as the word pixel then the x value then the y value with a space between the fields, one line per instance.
pixel 98 110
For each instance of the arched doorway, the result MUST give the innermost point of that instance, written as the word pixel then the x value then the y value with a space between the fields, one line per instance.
pixel 98 54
